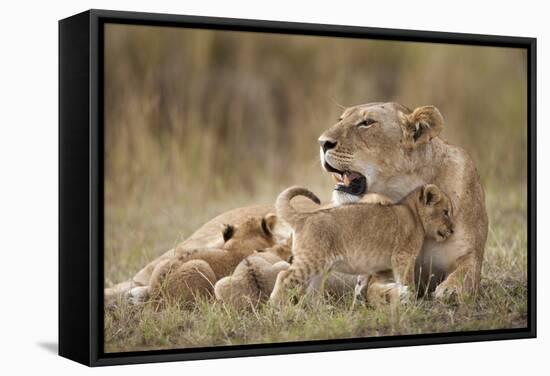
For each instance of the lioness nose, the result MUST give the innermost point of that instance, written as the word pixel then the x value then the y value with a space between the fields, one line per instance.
pixel 327 144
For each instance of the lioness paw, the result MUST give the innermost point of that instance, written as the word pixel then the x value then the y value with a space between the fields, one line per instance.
pixel 138 295
pixel 445 292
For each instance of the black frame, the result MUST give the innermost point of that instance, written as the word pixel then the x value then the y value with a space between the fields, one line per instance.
pixel 81 186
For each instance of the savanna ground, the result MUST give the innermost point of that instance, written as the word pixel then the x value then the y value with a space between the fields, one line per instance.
pixel 200 122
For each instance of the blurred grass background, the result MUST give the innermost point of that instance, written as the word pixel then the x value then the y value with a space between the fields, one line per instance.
pixel 198 122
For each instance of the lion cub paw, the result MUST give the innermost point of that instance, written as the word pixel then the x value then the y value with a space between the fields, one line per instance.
pixel 404 293
pixel 398 293
pixel 138 295
pixel 377 198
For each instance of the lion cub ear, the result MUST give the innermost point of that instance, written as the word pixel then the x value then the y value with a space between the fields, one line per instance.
pixel 228 231
pixel 430 194
pixel 420 126
pixel 268 223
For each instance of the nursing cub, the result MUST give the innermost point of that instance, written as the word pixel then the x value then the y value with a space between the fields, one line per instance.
pixel 193 272
pixel 361 238
pixel 254 278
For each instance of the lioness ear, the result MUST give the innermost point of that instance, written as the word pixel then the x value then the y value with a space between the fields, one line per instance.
pixel 228 231
pixel 430 194
pixel 420 126
pixel 268 223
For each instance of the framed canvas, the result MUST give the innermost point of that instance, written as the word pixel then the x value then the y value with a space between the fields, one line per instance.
pixel 184 142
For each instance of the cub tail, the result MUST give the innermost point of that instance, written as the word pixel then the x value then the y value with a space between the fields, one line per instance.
pixel 286 211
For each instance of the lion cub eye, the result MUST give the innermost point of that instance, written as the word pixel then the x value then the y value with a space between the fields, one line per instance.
pixel 446 212
pixel 366 123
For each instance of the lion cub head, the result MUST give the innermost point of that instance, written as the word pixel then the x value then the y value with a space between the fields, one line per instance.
pixel 435 211
pixel 254 233
pixel 281 250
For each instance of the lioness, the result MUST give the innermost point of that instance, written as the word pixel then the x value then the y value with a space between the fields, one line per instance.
pixel 193 272
pixel 387 148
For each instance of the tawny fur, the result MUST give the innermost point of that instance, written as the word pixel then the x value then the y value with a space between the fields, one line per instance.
pixel 178 280
pixel 193 272
pixel 400 151
pixel 362 238
pixel 254 278
pixel 252 281
pixel 394 164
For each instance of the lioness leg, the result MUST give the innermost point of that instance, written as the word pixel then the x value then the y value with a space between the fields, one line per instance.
pixel 297 276
pixel 143 277
pixel 111 295
pixel 123 289
pixel 138 295
pixel 463 278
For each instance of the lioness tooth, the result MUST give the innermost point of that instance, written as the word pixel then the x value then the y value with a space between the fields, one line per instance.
pixel 346 179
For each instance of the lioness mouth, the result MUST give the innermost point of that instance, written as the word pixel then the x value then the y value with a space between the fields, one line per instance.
pixel 350 182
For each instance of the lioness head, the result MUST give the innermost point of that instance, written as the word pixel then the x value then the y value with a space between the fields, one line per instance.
pixel 374 141
pixel 254 233
pixel 435 212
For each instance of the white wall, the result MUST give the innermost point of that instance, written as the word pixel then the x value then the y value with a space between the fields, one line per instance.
pixel 28 188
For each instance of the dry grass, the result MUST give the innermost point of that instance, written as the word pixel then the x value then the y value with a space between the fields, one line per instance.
pixel 502 303
pixel 199 122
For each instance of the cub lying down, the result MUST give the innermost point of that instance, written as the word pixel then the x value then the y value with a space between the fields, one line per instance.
pixel 254 278
pixel 252 281
pixel 361 238
pixel 193 272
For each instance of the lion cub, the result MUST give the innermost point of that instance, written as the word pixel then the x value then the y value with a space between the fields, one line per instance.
pixel 361 238
pixel 254 278
pixel 193 272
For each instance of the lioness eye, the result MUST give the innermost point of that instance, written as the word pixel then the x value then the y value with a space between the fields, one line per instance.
pixel 446 212
pixel 366 123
